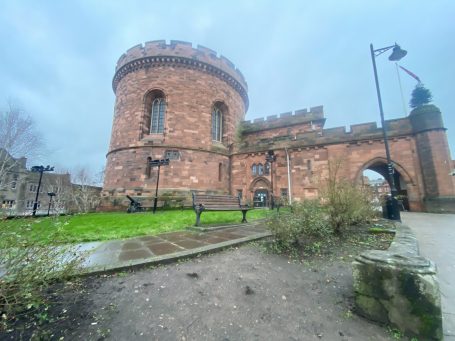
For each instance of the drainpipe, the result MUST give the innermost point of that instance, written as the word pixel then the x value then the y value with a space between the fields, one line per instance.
pixel 230 187
pixel 289 177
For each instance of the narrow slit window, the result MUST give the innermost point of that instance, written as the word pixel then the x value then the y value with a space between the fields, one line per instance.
pixel 217 124
pixel 148 168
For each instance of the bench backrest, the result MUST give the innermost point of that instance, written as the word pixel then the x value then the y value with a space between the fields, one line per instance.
pixel 215 201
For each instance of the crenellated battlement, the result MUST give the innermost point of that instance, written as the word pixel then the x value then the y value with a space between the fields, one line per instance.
pixel 176 48
pixel 314 114
pixel 357 132
pixel 180 54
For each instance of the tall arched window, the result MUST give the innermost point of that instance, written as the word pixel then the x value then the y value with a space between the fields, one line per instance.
pixel 157 116
pixel 217 124
pixel 154 112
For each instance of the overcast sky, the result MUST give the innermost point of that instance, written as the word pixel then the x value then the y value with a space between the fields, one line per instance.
pixel 58 58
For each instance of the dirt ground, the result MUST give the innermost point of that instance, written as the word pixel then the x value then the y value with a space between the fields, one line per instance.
pixel 242 293
pixel 238 294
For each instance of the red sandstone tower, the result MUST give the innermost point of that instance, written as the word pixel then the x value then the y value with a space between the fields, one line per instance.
pixel 183 103
pixel 434 158
pixel 178 102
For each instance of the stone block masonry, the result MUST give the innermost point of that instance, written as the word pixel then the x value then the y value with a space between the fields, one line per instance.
pixel 191 82
pixel 399 287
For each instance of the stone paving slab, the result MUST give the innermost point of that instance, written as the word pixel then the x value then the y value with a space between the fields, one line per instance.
pixel 166 247
pixel 436 235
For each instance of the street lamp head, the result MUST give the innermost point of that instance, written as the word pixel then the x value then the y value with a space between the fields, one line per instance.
pixel 40 169
pixel 270 156
pixel 397 53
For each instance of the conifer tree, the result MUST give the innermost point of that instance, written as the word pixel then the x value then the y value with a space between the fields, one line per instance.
pixel 420 96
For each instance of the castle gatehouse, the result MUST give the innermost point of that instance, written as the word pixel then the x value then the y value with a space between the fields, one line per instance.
pixel 188 104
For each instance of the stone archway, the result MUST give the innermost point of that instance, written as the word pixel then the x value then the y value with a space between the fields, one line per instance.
pixel 260 192
pixel 403 181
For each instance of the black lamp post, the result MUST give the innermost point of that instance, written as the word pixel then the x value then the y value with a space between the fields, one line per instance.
pixel 270 157
pixel 157 163
pixel 51 195
pixel 40 170
pixel 393 211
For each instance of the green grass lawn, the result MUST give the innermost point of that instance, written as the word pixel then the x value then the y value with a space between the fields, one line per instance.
pixel 114 225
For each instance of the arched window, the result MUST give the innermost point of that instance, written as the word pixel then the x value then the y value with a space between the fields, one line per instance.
pixel 154 112
pixel 267 168
pixel 253 169
pixel 157 116
pixel 260 169
pixel 217 124
pixel 220 171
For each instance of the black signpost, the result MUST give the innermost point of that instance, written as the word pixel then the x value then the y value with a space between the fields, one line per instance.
pixel 270 157
pixel 51 195
pixel 40 170
pixel 157 163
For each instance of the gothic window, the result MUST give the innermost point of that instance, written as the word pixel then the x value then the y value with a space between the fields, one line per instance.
pixel 217 124
pixel 220 171
pixel 260 169
pixel 267 168
pixel 157 115
pixel 254 169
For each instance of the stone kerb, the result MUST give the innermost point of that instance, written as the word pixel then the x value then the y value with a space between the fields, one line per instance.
pixel 399 287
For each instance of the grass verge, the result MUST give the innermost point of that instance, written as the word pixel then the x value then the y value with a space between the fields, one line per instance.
pixel 115 225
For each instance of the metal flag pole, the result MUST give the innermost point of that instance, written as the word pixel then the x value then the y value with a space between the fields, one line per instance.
pixel 405 110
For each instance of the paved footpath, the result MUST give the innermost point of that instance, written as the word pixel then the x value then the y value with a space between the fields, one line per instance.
pixel 166 247
pixel 436 235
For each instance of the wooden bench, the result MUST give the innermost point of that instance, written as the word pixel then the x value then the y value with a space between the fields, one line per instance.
pixel 206 202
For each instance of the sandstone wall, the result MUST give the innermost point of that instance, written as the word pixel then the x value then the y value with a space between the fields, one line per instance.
pixel 192 81
pixel 399 287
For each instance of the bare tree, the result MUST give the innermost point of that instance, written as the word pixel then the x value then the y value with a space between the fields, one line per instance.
pixel 60 185
pixel 85 194
pixel 18 138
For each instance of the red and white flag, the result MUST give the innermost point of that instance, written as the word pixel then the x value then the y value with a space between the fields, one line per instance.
pixel 410 74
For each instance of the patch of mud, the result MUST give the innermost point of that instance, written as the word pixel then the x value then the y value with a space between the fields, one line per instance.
pixel 238 294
